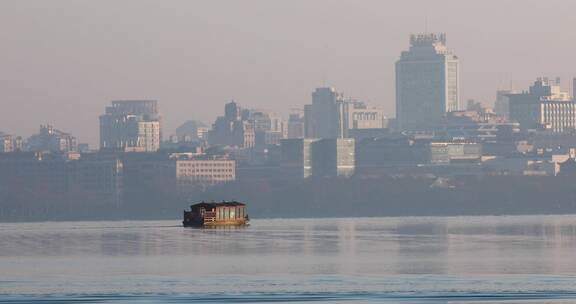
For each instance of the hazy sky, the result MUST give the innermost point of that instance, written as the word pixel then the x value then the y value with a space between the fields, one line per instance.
pixel 61 62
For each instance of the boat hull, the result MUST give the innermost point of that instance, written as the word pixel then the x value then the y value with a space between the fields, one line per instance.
pixel 200 223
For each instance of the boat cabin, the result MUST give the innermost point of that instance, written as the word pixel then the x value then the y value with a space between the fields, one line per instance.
pixel 213 214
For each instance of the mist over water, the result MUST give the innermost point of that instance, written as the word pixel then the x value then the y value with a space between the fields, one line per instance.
pixel 527 259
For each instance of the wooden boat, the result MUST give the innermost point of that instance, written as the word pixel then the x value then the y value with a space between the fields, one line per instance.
pixel 216 214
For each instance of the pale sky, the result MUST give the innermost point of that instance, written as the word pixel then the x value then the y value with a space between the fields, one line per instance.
pixel 61 62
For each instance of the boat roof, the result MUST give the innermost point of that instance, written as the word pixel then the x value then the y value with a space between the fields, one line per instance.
pixel 221 204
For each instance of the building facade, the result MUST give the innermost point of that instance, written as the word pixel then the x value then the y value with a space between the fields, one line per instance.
pixel 427 82
pixel 359 116
pixel 324 117
pixel 6 143
pixel 49 139
pixel 54 185
pixel 502 103
pixel 232 129
pixel 131 126
pixel 295 126
pixel 454 152
pixel 192 172
pixel 332 116
pixel 333 157
pixel 303 158
pixel 296 157
pixel 544 107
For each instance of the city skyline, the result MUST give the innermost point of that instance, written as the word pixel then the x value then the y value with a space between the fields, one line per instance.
pixel 44 55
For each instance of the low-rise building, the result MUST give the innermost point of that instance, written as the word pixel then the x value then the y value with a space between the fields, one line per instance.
pixel 50 139
pixel 302 158
pixel 454 152
pixel 131 126
pixel 6 143
pixel 56 185
pixel 544 107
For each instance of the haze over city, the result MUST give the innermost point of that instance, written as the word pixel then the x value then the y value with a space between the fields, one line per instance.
pixel 61 62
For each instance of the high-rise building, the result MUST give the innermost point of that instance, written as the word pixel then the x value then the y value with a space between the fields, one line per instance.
pixel 332 116
pixel 502 103
pixel 324 117
pixel 544 106
pixel 295 126
pixel 131 125
pixel 427 84
pixel 52 140
pixel 232 129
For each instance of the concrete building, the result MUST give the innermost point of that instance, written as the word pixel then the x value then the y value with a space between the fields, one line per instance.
pixel 389 152
pixel 6 143
pixel 324 117
pixel 49 139
pixel 545 106
pixel 332 116
pixel 232 129
pixel 454 152
pixel 56 185
pixel 296 157
pixel 427 83
pixel 502 103
pixel 269 127
pixel 192 130
pixel 178 174
pixel 295 126
pixel 203 171
pixel 333 157
pixel 360 116
pixel 303 158
pixel 131 126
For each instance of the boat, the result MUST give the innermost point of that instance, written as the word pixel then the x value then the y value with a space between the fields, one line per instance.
pixel 204 214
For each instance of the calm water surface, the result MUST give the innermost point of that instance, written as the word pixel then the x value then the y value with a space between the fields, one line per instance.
pixel 529 259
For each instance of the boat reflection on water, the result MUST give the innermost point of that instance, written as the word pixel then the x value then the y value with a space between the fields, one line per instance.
pixel 209 215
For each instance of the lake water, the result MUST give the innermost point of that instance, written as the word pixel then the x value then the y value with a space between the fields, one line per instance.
pixel 525 259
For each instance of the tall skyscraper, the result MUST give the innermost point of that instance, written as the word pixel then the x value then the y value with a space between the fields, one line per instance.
pixel 426 82
pixel 131 125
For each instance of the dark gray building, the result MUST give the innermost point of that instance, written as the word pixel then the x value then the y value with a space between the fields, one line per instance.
pixel 330 157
